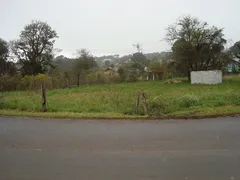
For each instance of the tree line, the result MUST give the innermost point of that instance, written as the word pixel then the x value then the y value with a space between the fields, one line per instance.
pixel 195 46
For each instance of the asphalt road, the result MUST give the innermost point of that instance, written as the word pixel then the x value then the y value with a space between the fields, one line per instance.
pixel 38 149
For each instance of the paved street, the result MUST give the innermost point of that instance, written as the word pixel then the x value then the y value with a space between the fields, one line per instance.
pixel 44 149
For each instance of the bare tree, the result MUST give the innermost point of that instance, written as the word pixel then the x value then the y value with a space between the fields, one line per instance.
pixel 139 47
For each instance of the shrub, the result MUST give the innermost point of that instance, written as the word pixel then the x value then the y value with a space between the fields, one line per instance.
pixel 9 83
pixel 188 101
pixel 158 106
pixel 35 82
pixel 101 77
pixel 132 76
pixel 233 97
pixel 122 73
pixel 1 100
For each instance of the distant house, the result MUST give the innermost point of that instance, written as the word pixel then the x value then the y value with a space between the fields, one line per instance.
pixel 155 73
pixel 233 66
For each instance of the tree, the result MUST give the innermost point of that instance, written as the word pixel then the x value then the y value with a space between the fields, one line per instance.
pixel 64 63
pixel 138 61
pixel 196 46
pixel 84 62
pixel 107 63
pixel 6 67
pixel 139 57
pixel 3 55
pixel 34 48
pixel 122 73
pixel 235 50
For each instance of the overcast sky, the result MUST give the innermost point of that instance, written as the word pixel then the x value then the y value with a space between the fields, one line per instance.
pixel 112 26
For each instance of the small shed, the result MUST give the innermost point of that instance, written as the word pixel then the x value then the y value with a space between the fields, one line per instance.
pixel 206 77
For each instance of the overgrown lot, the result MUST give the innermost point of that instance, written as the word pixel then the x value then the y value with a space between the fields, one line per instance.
pixel 118 100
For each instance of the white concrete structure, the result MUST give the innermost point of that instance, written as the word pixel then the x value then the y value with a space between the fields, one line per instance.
pixel 206 77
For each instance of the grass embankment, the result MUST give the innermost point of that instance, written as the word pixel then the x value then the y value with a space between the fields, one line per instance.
pixel 118 100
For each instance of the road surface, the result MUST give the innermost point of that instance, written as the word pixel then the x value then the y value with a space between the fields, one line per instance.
pixel 43 149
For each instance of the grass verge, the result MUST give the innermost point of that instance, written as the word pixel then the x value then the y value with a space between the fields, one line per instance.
pixel 190 114
pixel 117 101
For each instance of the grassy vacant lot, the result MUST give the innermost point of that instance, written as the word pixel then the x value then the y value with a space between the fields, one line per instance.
pixel 118 100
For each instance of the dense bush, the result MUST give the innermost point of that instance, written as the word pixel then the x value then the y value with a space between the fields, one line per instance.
pixel 25 83
pixel 56 80
pixel 122 73
pixel 101 77
pixel 35 82
pixel 188 101
pixel 159 105
pixel 9 83
pixel 1 100
pixel 132 76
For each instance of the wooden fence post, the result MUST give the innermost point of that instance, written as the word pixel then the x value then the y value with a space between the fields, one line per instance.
pixel 144 103
pixel 137 103
pixel 44 101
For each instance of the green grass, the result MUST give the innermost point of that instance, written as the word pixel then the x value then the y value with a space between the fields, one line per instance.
pixel 118 100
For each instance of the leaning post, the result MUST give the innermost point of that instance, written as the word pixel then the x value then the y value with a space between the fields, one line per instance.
pixel 44 100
